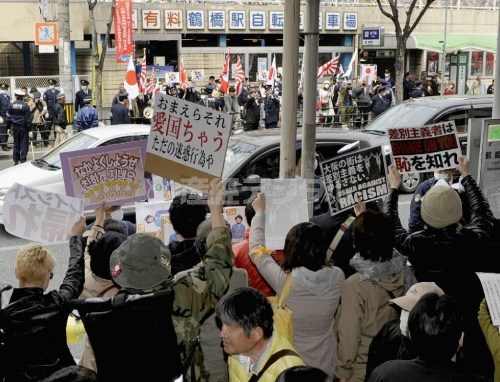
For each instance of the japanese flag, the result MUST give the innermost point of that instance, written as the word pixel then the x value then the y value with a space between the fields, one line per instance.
pixel 370 72
pixel 130 84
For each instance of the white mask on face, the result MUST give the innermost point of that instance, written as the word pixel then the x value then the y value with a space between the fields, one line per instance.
pixel 446 177
pixel 387 75
pixel 84 88
pixel 203 97
pixel 403 325
pixel 51 87
pixel 3 91
pixel 117 214
pixel 326 86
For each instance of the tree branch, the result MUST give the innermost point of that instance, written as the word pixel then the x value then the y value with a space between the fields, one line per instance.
pixel 409 31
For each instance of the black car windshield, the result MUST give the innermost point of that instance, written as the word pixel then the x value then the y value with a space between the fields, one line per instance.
pixel 236 154
pixel 78 142
pixel 406 114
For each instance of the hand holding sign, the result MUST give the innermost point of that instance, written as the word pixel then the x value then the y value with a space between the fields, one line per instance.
pixel 79 227
pixel 394 177
pixel 463 165
pixel 259 204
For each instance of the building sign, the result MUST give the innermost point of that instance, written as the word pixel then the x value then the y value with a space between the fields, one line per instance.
pixel 350 21
pixel 332 21
pixel 124 31
pixel 371 37
pixel 187 142
pixel 46 34
pixel 426 148
pixel 276 20
pixel 39 215
pixel 353 177
pixel 151 19
pixel 111 174
pixel 237 20
pixel 173 19
pixel 257 20
pixel 217 20
pixel 195 19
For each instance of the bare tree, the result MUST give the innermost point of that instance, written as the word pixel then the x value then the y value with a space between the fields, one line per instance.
pixel 402 33
pixel 98 59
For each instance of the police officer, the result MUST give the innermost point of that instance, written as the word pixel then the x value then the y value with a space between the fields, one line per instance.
pixel 119 111
pixel 417 90
pixel 19 113
pixel 4 108
pixel 87 116
pixel 60 121
pixel 50 99
pixel 81 94
pixel 271 108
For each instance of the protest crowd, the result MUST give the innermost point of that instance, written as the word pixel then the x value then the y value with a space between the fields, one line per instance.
pixel 349 295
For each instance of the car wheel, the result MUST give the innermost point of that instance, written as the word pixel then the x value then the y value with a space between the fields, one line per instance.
pixel 409 182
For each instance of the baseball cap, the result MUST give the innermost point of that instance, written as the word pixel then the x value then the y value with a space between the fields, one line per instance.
pixel 441 207
pixel 61 95
pixel 140 262
pixel 408 301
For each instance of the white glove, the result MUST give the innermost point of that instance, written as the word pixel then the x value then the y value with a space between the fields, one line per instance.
pixel 46 115
pixel 30 134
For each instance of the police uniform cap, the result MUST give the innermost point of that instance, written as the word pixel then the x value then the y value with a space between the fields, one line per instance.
pixel 251 91
pixel 381 88
pixel 209 88
pixel 122 96
pixel 84 82
pixel 87 98
pixel 418 82
pixel 61 95
pixel 268 87
pixel 4 86
pixel 52 82
pixel 19 93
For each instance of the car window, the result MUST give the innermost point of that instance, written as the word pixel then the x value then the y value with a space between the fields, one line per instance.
pixel 460 116
pixel 406 114
pixel 116 141
pixel 77 142
pixel 139 137
pixel 237 153
pixel 266 166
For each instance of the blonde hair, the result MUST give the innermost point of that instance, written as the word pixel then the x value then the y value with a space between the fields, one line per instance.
pixel 33 262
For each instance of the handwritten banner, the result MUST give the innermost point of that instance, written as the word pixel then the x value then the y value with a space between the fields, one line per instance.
pixel 353 177
pixel 123 31
pixel 112 174
pixel 39 215
pixel 426 148
pixel 187 142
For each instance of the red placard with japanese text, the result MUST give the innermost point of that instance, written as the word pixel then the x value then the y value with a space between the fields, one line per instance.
pixel 187 142
pixel 426 148
pixel 124 32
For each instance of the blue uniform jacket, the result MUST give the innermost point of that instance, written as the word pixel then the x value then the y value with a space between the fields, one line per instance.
pixel 86 118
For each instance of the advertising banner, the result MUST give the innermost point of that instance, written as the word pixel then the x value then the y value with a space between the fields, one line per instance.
pixel 124 33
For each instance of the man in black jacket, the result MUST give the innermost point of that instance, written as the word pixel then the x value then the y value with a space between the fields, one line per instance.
pixel 19 113
pixel 119 111
pixel 442 252
pixel 60 121
pixel 34 323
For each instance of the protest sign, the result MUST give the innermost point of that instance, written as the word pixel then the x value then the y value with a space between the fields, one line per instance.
pixel 112 174
pixel 39 215
pixel 198 74
pixel 489 177
pixel 163 189
pixel 491 288
pixel 425 148
pixel 286 206
pixel 187 142
pixel 172 77
pixel 357 176
pixel 238 226
pixel 148 216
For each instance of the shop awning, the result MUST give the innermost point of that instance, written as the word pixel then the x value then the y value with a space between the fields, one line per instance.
pixel 454 41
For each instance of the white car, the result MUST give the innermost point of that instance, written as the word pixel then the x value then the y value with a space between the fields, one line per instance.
pixel 45 173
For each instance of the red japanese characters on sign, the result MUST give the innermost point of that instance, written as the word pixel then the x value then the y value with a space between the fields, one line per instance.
pixel 425 148
pixel 192 138
pixel 123 31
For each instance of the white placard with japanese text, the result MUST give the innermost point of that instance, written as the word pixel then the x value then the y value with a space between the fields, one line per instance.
pixel 286 206
pixel 353 177
pixel 39 215
pixel 426 148
pixel 187 142
pixel 491 288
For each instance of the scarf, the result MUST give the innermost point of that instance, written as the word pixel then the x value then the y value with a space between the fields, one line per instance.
pixel 374 270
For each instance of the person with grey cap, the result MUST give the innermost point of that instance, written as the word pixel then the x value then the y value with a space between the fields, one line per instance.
pixel 392 341
pixel 87 116
pixel 442 251
pixel 20 116
pixel 82 94
pixel 60 121
pixel 120 111
pixel 150 330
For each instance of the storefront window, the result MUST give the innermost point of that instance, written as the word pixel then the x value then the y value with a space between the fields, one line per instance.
pixel 432 62
pixel 490 64
pixel 477 60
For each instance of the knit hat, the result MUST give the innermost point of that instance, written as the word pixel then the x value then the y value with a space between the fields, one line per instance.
pixel 408 301
pixel 100 252
pixel 140 262
pixel 441 207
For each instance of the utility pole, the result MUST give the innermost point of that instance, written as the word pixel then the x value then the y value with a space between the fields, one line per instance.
pixel 311 36
pixel 290 91
pixel 443 58
pixel 64 46
pixel 496 94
